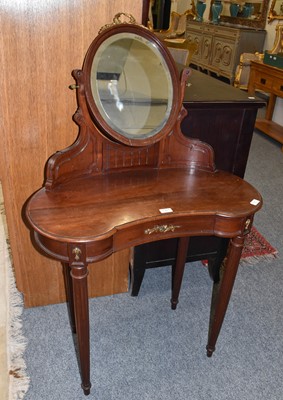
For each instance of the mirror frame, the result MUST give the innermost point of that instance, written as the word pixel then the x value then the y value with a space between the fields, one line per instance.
pixel 257 24
pixel 97 118
pixel 272 13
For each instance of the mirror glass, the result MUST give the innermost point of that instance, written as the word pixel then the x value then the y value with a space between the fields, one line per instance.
pixel 248 13
pixel 131 85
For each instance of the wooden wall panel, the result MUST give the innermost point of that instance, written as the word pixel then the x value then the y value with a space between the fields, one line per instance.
pixel 41 42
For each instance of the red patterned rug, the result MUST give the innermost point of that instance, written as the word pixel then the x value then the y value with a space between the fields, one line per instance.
pixel 257 247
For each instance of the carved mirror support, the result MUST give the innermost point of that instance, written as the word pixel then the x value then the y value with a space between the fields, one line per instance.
pixel 130 96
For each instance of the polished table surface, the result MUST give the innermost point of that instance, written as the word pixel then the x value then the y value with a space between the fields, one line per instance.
pixel 202 88
pixel 89 218
pixel 114 211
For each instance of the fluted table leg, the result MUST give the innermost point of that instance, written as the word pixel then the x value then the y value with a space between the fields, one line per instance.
pixel 80 296
pixel 222 291
pixel 69 295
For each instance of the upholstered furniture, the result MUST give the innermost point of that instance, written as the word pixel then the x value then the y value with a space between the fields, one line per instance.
pixel 181 50
pixel 131 177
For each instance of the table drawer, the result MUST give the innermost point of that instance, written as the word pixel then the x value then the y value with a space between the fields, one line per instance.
pixel 173 227
pixel 278 88
pixel 163 228
pixel 264 81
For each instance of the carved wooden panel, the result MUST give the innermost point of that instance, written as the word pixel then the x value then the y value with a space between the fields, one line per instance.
pixel 223 54
pixel 206 49
pixel 116 156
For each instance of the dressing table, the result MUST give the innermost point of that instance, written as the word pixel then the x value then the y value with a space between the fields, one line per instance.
pixel 132 177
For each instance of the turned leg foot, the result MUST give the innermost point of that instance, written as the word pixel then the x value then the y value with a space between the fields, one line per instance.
pixel 86 389
pixel 209 351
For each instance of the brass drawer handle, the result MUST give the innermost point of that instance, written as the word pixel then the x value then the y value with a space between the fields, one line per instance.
pixel 77 253
pixel 247 224
pixel 161 229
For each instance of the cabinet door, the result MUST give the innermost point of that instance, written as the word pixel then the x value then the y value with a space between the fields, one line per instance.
pixel 223 54
pixel 206 49
pixel 194 37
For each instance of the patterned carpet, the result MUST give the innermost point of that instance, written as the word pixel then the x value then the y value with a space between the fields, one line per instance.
pixel 256 247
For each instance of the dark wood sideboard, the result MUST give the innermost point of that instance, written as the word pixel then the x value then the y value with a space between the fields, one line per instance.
pixel 224 117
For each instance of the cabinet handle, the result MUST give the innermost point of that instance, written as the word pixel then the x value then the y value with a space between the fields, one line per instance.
pixel 77 253
pixel 263 81
pixel 161 229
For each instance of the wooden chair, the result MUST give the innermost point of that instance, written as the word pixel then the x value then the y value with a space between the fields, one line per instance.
pixel 132 177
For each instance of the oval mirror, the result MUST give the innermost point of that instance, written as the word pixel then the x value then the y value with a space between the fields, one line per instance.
pixel 131 81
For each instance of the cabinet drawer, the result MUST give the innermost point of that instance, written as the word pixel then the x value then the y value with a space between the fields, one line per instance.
pixel 227 33
pixel 191 27
pixel 278 87
pixel 162 229
pixel 264 81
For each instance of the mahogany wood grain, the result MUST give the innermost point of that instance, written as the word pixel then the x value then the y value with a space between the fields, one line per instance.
pixel 41 43
pixel 179 267
pixel 94 204
pixel 222 291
